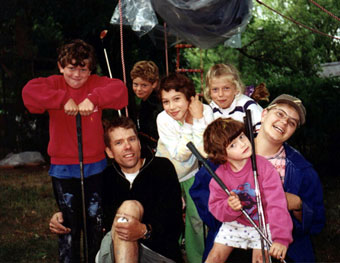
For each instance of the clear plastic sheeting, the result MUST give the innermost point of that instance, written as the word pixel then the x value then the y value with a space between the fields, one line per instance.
pixel 138 14
pixel 157 37
pixel 191 4
pixel 205 23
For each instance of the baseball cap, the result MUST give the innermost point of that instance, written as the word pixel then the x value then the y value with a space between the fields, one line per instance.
pixel 296 103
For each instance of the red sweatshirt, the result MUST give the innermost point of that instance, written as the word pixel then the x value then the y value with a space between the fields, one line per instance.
pixel 50 94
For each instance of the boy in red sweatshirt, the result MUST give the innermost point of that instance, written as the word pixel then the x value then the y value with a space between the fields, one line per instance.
pixel 63 96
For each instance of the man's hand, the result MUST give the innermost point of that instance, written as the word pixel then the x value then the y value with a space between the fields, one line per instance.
pixel 71 108
pixel 278 250
pixel 86 107
pixel 294 201
pixel 132 230
pixel 56 224
pixel 234 201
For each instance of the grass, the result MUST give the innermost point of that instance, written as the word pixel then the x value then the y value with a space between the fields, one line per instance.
pixel 27 202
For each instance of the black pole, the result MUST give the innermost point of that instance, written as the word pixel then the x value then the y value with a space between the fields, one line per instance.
pixel 80 152
pixel 249 130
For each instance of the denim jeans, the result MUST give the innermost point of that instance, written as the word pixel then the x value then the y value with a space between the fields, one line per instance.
pixel 69 199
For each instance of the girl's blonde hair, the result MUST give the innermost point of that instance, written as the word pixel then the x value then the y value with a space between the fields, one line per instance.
pixel 227 71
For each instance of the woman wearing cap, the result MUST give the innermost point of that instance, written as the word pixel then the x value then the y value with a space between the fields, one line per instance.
pixel 300 181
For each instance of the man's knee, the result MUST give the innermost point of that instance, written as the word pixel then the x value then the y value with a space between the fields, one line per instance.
pixel 133 208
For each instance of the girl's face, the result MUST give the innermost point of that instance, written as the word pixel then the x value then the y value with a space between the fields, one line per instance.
pixel 222 92
pixel 239 150
pixel 175 104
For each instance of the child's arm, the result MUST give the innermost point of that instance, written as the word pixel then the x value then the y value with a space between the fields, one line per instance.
pixel 85 108
pixel 42 94
pixel 105 93
pixel 199 126
pixel 174 138
pixel 219 203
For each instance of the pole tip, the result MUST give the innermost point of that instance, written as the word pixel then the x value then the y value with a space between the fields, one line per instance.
pixel 103 34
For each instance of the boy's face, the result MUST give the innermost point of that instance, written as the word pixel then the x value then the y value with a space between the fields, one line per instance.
pixel 175 104
pixel 239 150
pixel 143 88
pixel 75 76
pixel 125 148
pixel 279 123
pixel 222 92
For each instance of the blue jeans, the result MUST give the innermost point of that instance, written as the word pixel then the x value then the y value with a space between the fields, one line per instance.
pixel 69 199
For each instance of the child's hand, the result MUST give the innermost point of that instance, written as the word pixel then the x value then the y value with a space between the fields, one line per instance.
pixel 278 250
pixel 86 107
pixel 71 108
pixel 196 107
pixel 234 202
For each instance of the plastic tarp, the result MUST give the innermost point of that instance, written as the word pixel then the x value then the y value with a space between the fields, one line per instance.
pixel 138 14
pixel 203 23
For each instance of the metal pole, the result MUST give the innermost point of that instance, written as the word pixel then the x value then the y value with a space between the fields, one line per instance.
pixel 262 222
pixel 102 36
pixel 80 152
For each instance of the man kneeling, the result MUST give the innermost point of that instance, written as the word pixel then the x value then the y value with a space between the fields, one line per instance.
pixel 141 201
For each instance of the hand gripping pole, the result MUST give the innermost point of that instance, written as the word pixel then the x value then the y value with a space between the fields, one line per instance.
pixel 200 158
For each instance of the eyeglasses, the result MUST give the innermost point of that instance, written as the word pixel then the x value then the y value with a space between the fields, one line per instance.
pixel 281 114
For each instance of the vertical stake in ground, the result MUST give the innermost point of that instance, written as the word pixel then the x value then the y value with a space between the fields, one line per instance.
pixel 80 152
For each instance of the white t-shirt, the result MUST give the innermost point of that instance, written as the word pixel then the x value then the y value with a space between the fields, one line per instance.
pixel 132 177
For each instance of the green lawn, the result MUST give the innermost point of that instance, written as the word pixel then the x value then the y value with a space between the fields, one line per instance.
pixel 27 202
